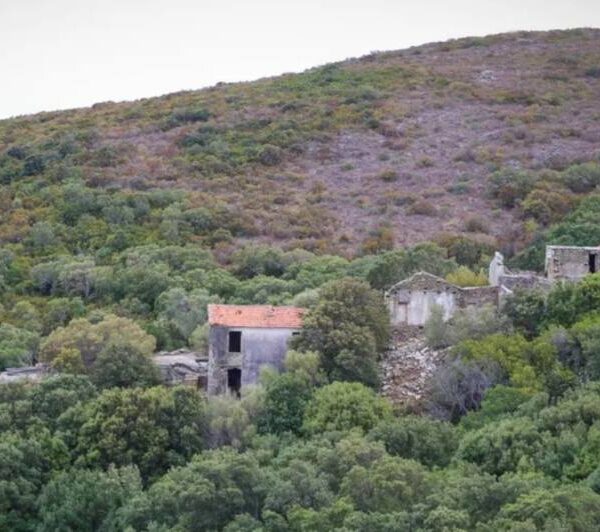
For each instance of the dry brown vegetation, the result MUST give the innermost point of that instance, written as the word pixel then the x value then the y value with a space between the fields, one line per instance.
pixel 321 159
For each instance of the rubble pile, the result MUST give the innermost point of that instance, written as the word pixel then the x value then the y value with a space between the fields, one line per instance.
pixel 406 369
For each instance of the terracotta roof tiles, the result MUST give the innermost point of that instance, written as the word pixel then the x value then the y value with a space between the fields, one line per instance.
pixel 266 316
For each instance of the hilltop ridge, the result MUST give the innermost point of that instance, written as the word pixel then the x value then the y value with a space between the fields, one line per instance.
pixel 394 146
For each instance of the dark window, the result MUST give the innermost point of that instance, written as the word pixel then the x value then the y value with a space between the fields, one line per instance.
pixel 202 382
pixel 235 341
pixel 592 262
pixel 234 381
pixel 296 333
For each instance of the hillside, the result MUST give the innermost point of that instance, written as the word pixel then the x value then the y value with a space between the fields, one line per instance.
pixel 344 157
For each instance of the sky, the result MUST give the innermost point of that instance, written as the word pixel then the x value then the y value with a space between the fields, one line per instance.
pixel 61 54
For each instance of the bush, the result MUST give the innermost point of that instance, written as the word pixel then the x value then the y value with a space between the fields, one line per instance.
pixel 476 224
pixel 388 176
pixel 510 187
pixel 422 207
pixel 582 177
pixel 344 406
pixel 426 440
pixel 463 276
pixel 270 155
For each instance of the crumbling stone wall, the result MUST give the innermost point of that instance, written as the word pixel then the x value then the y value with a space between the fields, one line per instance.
pixel 571 262
pixel 478 296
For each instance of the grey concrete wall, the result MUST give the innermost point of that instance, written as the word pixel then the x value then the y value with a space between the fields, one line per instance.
pixel 217 360
pixel 260 347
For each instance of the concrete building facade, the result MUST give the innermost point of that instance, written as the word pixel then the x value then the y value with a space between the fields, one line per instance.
pixel 245 338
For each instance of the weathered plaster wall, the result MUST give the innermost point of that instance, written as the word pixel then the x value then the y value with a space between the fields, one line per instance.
pixel 413 307
pixel 260 347
pixel 410 302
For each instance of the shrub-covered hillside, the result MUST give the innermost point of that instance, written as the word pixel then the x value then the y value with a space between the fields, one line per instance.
pixel 120 224
pixel 395 146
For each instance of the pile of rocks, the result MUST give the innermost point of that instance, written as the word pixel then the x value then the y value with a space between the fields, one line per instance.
pixel 407 368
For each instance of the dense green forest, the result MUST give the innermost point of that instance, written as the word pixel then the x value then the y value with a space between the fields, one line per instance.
pixel 120 223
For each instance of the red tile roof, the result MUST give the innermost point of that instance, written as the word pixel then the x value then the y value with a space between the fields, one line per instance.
pixel 255 316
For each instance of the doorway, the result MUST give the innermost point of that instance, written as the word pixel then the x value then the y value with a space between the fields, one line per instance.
pixel 234 381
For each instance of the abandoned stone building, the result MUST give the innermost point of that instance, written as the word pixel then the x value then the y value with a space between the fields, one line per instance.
pixel 245 338
pixel 410 301
pixel 571 262
pixel 508 281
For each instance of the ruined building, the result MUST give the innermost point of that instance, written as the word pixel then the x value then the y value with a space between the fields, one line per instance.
pixel 183 367
pixel 410 301
pixel 243 339
pixel 571 263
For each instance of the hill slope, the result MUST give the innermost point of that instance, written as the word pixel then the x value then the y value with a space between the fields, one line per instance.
pixel 398 143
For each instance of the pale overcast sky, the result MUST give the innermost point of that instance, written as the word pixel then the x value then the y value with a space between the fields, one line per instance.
pixel 58 54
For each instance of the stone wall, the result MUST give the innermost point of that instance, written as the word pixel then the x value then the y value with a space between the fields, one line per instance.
pixel 571 262
pixel 410 302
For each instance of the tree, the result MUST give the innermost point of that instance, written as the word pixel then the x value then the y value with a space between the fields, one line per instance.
pixel 184 311
pixel 426 440
pixel 26 464
pixel 463 276
pixel 349 327
pixel 391 484
pixel 91 339
pixel 17 346
pixel 153 428
pixel 527 311
pixel 586 334
pixel 203 495
pixel 523 362
pixel 56 394
pixel 286 397
pixel 437 329
pixel 344 406
pixel 458 387
pixel 574 508
pixel 396 265
pixel 124 366
pixel 87 500
pixel 259 260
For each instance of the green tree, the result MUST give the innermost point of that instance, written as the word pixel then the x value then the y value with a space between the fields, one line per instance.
pixel 153 428
pixel 17 346
pixel 87 500
pixel 390 484
pixel 184 311
pixel 205 494
pixel 124 366
pixel 90 339
pixel 286 397
pixel 344 406
pixel 426 440
pixel 349 327
pixel 394 266
pixel 26 464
